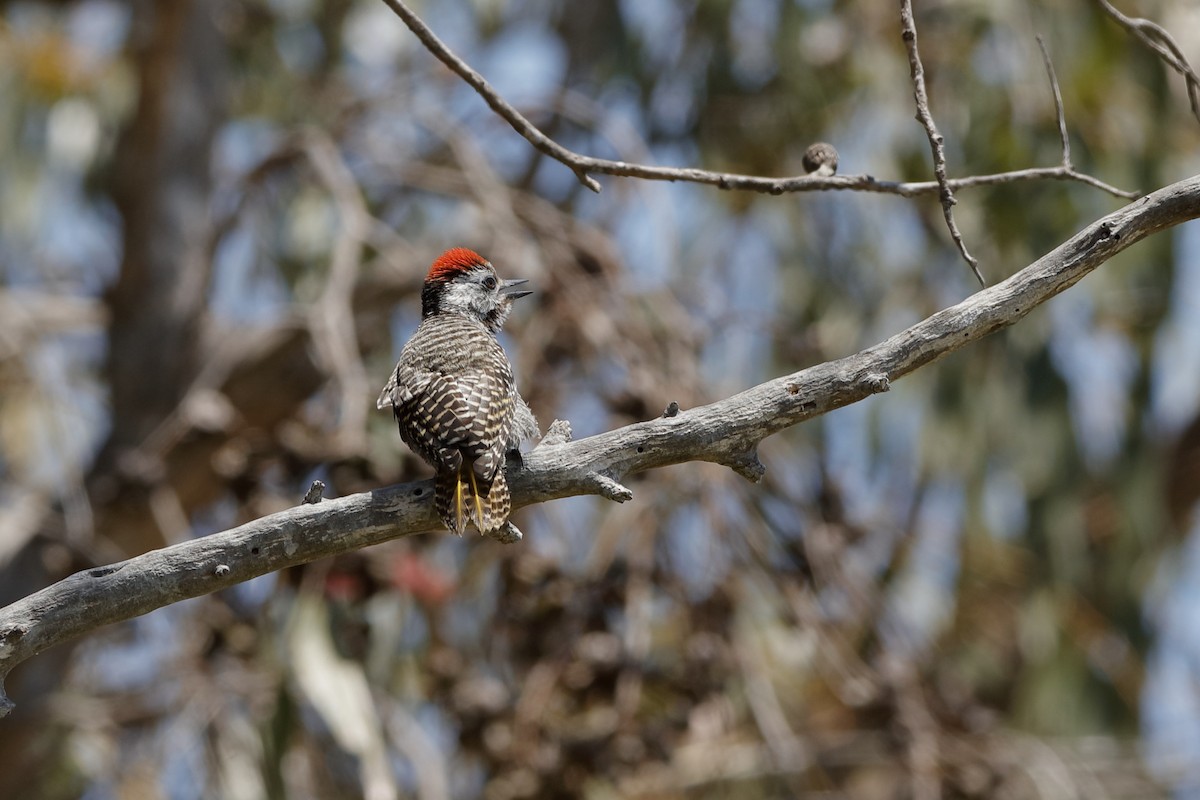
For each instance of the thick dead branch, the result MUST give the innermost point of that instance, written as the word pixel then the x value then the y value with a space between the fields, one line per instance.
pixel 722 432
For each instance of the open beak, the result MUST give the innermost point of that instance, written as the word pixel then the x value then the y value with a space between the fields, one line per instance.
pixel 506 285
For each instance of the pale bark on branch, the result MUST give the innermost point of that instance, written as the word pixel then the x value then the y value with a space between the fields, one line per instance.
pixel 726 432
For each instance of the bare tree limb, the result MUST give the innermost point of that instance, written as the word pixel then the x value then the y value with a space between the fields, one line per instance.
pixel 908 31
pixel 1157 39
pixel 725 432
pixel 583 165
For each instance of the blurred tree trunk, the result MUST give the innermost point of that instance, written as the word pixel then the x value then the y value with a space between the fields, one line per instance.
pixel 161 183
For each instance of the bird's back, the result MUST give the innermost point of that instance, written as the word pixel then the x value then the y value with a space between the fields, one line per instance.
pixel 452 343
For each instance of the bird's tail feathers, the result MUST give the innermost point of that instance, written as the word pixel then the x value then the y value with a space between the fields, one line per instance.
pixel 462 498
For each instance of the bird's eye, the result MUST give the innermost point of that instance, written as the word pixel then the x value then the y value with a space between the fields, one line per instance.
pixel 489 282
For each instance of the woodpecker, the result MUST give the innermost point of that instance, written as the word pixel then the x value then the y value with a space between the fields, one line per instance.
pixel 453 394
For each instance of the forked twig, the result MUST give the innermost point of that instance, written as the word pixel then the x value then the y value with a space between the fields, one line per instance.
pixel 583 165
pixel 1157 39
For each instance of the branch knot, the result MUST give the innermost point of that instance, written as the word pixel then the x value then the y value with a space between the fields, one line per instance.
pixel 558 433
pixel 877 382
pixel 747 465
pixel 314 493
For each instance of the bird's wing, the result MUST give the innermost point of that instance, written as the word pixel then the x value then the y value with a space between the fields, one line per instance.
pixel 452 418
pixel 488 404
pixel 403 385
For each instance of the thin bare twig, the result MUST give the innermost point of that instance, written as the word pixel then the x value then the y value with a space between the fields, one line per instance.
pixel 522 126
pixel 1058 104
pixel 1157 39
pixel 908 30
pixel 582 165
pixel 867 183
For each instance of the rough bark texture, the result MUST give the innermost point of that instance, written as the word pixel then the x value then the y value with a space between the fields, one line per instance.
pixel 725 432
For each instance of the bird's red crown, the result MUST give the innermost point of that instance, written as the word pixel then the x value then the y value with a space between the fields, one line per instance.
pixel 454 261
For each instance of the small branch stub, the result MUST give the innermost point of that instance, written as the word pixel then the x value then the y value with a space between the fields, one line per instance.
pixel 559 432
pixel 877 383
pixel 509 534
pixel 315 493
pixel 587 180
pixel 609 488
pixel 747 465
pixel 671 410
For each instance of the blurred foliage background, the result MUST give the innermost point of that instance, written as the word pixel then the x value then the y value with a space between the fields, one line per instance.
pixel 981 584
